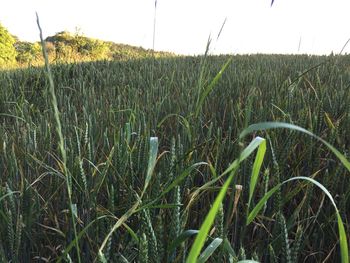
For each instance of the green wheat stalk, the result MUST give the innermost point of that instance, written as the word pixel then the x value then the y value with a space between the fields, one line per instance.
pixel 60 136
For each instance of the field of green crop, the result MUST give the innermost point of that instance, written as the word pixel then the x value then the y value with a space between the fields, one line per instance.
pixel 139 164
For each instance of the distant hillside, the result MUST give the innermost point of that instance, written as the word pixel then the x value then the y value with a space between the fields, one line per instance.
pixel 67 47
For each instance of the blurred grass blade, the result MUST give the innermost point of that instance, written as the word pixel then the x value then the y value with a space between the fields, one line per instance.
pixel 153 151
pixel 8 194
pixel 75 210
pixel 247 261
pixel 228 248
pixel 256 169
pixel 210 87
pixel 209 250
pixel 150 206
pixel 182 237
pixel 274 125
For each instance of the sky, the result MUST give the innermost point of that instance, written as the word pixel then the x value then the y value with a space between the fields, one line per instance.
pixel 184 26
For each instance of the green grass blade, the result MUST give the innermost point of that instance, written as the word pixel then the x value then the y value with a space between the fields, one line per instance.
pixel 344 248
pixel 8 194
pixel 61 143
pixel 153 151
pixel 183 121
pixel 261 204
pixel 105 170
pixel 173 184
pixel 210 87
pixel 256 169
pixel 209 250
pixel 245 153
pixel 274 125
pixel 204 230
pixel 344 251
pixel 342 235
pixel 119 223
pixel 81 233
pixel 228 248
pixel 181 238
pixel 182 176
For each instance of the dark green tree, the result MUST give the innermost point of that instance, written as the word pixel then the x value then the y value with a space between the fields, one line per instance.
pixel 7 49
pixel 27 52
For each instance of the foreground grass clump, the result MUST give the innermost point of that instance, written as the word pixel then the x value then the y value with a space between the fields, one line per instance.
pixel 139 199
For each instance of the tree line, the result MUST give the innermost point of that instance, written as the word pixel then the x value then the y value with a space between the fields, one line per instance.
pixel 66 47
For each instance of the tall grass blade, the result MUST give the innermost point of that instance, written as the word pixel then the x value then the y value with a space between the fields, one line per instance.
pixel 153 151
pixel 210 87
pixel 60 136
pixel 256 169
pixel 204 230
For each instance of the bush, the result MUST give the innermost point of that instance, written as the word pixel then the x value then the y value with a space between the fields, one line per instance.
pixel 7 49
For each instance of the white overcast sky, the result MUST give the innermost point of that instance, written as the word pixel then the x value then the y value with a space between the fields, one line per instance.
pixel 183 26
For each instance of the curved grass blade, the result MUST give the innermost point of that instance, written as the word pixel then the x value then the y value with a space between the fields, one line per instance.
pixel 342 235
pixel 274 125
pixel 105 170
pixel 153 151
pixel 181 238
pixel 8 194
pixel 13 116
pixel 245 153
pixel 119 223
